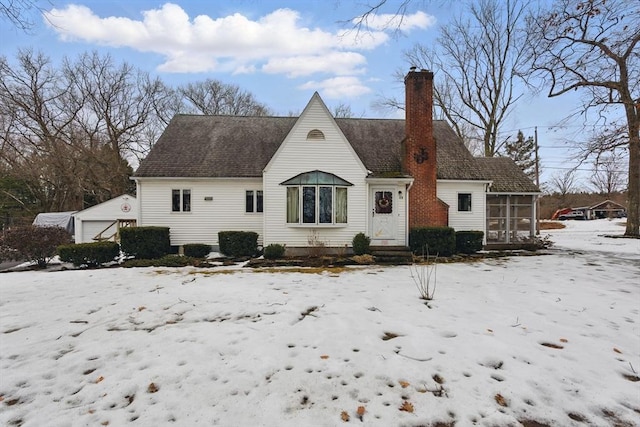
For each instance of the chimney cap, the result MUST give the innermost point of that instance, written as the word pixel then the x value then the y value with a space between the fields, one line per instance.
pixel 412 68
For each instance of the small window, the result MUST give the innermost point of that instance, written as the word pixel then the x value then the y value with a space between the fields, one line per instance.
pixel 253 201
pixel 464 202
pixel 180 200
pixel 315 134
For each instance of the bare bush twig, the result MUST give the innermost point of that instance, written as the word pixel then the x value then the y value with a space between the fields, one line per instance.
pixel 424 276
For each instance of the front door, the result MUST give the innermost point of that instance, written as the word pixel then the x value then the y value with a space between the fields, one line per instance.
pixel 383 216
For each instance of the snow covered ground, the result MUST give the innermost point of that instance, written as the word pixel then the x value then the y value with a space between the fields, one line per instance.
pixel 552 338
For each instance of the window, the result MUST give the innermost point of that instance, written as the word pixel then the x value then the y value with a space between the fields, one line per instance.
pixel 253 201
pixel 180 200
pixel 317 205
pixel 316 198
pixel 464 202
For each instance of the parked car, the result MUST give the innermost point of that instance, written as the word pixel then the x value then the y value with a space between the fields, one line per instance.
pixel 579 215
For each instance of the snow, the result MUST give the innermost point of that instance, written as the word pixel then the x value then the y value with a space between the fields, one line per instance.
pixel 553 338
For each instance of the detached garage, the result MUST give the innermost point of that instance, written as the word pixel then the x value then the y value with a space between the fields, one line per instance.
pixel 104 221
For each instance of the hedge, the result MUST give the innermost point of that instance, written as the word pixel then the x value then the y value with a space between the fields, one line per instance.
pixel 196 250
pixel 91 254
pixel 145 242
pixel 469 242
pixel 238 243
pixel 433 241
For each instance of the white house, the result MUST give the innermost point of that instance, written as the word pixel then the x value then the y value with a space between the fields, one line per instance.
pixel 314 179
pixel 103 221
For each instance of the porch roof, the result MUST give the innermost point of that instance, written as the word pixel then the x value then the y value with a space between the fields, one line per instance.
pixel 506 176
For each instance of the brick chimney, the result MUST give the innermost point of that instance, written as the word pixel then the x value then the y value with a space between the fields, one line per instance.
pixel 425 209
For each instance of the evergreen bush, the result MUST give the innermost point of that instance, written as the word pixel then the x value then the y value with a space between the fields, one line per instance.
pixel 274 251
pixel 196 250
pixel 434 241
pixel 145 242
pixel 238 243
pixel 469 242
pixel 90 254
pixel 361 244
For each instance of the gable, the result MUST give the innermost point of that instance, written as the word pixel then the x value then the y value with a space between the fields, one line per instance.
pixel 316 136
pixel 607 204
pixel 111 209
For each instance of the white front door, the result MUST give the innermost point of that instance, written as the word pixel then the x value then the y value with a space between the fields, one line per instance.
pixel 383 216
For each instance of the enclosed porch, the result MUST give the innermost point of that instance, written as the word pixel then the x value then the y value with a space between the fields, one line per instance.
pixel 511 219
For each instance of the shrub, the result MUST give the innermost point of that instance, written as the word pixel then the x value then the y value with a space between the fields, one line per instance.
pixel 145 242
pixel 238 243
pixel 274 251
pixel 361 244
pixel 438 241
pixel 91 254
pixel 165 261
pixel 196 250
pixel 469 242
pixel 32 243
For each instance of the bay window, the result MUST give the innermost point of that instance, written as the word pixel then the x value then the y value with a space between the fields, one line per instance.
pixel 316 198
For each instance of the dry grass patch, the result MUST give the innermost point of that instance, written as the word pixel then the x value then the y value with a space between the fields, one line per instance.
pixel 551 225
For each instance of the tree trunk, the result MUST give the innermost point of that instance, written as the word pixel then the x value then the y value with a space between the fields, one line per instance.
pixel 633 207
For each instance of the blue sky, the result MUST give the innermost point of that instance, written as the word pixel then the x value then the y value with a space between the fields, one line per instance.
pixel 281 51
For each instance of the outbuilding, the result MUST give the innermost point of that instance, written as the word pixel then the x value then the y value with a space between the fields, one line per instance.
pixel 104 221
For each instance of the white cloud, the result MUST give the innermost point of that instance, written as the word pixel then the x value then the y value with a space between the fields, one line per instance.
pixel 274 43
pixel 339 63
pixel 406 22
pixel 338 87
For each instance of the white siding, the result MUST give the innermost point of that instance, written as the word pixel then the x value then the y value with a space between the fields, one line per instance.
pixel 298 155
pixel 224 212
pixel 464 221
pixel 91 221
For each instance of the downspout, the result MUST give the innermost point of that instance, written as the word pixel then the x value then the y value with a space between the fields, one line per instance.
pixel 486 228
pixel 406 210
pixel 139 204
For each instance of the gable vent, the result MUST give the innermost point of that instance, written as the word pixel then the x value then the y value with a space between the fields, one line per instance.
pixel 315 134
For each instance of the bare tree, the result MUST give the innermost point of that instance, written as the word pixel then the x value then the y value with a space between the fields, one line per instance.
pixel 17 12
pixel 38 110
pixel 342 111
pixel 563 182
pixel 66 131
pixel 593 46
pixel 608 175
pixel 475 61
pixel 118 101
pixel 214 97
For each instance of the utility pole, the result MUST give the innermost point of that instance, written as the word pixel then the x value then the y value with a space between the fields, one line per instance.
pixel 537 182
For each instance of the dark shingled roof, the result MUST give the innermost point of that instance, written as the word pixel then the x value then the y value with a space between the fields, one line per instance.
pixel 234 146
pixel 215 146
pixel 507 177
